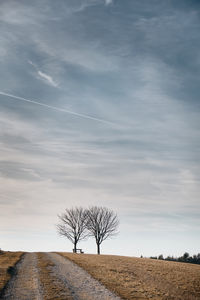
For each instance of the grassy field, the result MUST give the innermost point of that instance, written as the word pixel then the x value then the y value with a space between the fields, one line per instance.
pixel 7 259
pixel 142 278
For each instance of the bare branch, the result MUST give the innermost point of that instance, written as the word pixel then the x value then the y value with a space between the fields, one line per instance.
pixel 102 224
pixel 73 225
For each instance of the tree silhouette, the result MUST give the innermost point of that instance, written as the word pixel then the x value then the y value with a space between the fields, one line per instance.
pixel 73 225
pixel 101 223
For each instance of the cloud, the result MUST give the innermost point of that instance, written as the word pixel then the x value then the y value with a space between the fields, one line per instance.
pixel 18 13
pixel 108 2
pixel 32 64
pixel 87 57
pixel 47 78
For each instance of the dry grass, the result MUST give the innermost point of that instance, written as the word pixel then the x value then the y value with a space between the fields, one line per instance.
pixel 141 278
pixel 7 259
pixel 51 286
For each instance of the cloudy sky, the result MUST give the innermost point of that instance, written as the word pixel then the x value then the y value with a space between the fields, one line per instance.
pixel 99 105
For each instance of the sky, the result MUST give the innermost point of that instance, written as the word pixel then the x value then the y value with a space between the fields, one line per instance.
pixel 99 105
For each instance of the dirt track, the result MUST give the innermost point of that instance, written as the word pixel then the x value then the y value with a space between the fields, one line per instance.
pixel 26 284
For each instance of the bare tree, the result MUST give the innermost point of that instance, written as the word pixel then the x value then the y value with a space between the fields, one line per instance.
pixel 102 223
pixel 73 225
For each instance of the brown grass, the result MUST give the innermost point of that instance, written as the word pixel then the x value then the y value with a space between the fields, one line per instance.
pixel 51 286
pixel 142 278
pixel 7 259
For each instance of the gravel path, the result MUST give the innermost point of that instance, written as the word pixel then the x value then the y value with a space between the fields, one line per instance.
pixel 80 283
pixel 75 283
pixel 25 284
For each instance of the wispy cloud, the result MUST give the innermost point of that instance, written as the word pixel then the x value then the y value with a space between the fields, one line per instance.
pixel 47 78
pixel 32 64
pixel 108 2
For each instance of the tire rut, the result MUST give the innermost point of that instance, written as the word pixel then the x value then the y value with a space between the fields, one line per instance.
pixel 47 276
pixel 79 282
pixel 25 284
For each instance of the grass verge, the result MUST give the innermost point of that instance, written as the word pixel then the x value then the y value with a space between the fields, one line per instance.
pixel 52 288
pixel 141 278
pixel 8 260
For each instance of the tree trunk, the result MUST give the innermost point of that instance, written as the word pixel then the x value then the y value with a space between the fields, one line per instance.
pixel 75 245
pixel 98 248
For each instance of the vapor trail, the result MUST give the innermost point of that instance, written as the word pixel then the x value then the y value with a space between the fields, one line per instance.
pixel 56 108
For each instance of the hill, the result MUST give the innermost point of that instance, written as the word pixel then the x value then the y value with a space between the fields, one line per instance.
pixel 142 278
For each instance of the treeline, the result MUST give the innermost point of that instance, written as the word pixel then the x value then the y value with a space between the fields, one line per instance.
pixel 195 259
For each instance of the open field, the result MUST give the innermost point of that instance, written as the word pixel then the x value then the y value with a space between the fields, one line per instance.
pixel 141 278
pixel 7 259
pixel 51 276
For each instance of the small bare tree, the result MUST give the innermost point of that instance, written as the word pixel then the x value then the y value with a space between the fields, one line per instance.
pixel 73 225
pixel 102 223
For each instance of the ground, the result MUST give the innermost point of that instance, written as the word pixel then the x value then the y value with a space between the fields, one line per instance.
pixel 142 278
pixel 49 276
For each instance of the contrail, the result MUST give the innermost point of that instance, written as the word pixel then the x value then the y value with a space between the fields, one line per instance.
pixel 57 108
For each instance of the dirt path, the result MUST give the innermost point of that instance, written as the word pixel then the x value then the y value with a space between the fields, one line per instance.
pixel 25 284
pixel 35 280
pixel 79 282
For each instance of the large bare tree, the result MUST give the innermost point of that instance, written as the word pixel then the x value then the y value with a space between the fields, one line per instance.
pixel 102 223
pixel 73 225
